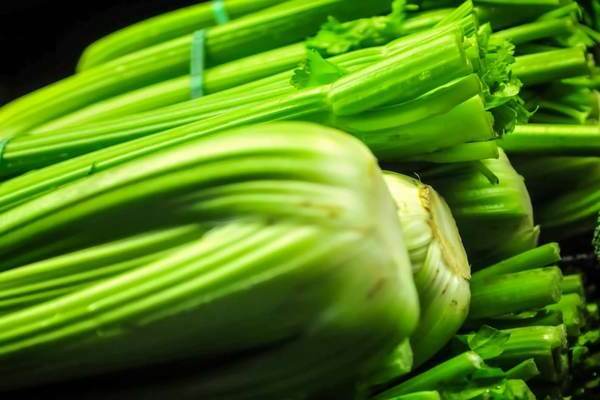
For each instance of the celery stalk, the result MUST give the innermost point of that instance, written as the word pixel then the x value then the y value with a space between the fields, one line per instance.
pixel 513 293
pixel 553 140
pixel 162 28
pixel 277 214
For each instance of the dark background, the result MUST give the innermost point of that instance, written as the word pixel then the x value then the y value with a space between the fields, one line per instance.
pixel 41 40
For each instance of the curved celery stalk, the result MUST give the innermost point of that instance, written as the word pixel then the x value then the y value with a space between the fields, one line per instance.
pixel 273 27
pixel 550 28
pixel 551 66
pixel 571 308
pixel 425 19
pixel 514 293
pixel 449 371
pixel 303 249
pixel 440 265
pixel 541 256
pixel 553 140
pixel 164 27
pixel 573 284
pixel 546 344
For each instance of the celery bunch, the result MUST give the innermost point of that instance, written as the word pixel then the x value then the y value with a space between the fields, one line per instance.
pixel 429 116
pixel 239 246
pixel 236 222
pixel 254 33
pixel 332 39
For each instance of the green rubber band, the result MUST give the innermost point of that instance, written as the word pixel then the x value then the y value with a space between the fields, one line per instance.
pixel 198 56
pixel 221 15
pixel 197 64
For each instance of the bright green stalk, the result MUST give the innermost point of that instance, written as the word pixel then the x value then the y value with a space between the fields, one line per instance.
pixel 573 284
pixel 398 363
pixel 495 218
pixel 571 306
pixel 537 30
pixel 553 140
pixel 551 66
pixel 438 377
pixel 513 293
pixel 592 82
pixel 353 94
pixel 526 370
pixel 425 19
pixel 276 223
pixel 426 136
pixel 440 267
pixel 270 28
pixel 545 344
pixel 538 257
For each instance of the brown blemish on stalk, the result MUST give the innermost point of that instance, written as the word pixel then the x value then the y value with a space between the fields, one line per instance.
pixel 377 287
pixel 445 289
pixel 331 212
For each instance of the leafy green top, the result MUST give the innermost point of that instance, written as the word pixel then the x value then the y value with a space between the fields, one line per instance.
pixel 336 37
pixel 316 71
pixel 500 87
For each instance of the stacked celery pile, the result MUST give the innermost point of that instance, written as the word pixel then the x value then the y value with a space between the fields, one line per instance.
pixel 308 199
